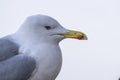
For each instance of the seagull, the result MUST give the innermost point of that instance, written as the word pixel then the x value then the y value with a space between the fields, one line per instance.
pixel 33 52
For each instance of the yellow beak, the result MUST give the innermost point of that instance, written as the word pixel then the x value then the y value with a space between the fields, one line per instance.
pixel 75 35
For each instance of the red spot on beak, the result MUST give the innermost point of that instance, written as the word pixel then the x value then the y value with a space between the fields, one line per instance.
pixel 80 37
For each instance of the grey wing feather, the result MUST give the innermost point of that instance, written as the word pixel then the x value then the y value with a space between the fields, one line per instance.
pixel 14 66
pixel 7 49
pixel 19 67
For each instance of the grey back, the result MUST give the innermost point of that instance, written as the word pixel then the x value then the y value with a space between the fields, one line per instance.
pixel 14 66
pixel 7 49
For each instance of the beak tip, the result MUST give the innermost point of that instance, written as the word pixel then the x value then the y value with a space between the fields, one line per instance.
pixel 83 37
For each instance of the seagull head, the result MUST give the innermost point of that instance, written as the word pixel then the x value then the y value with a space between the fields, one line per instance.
pixel 46 29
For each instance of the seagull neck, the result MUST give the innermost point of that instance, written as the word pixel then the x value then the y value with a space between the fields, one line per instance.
pixel 29 40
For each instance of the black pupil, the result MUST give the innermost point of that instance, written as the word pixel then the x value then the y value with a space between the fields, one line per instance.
pixel 47 27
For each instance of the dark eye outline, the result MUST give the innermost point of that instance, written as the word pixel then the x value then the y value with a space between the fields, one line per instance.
pixel 48 27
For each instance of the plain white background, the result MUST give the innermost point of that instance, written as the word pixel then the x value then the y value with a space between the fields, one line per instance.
pixel 98 58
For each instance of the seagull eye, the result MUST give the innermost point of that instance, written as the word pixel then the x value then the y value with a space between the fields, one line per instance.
pixel 48 27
